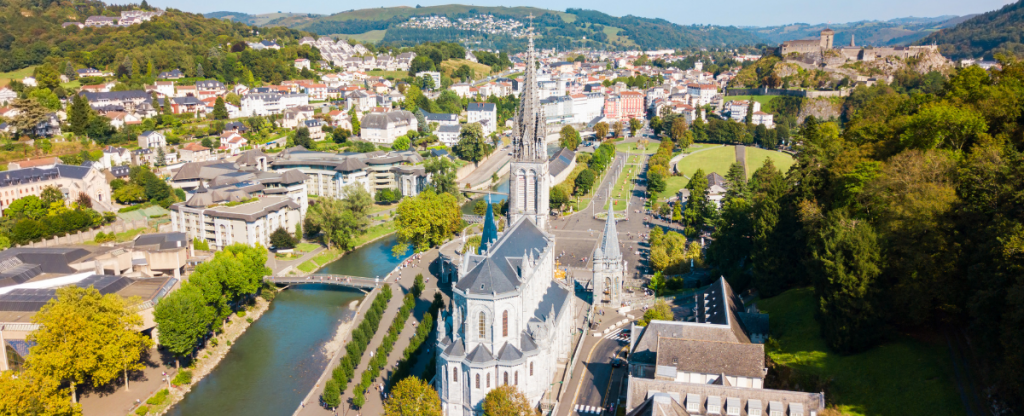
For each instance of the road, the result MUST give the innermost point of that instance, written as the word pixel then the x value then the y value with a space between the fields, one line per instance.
pixel 486 169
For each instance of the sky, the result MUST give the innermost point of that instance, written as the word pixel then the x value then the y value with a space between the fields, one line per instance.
pixel 734 12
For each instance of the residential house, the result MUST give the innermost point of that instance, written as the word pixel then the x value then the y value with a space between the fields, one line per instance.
pixel 43 162
pixel 448 134
pixel 302 63
pixel 150 139
pixel 315 127
pixel 72 181
pixel 384 128
pixel 232 142
pixel 115 156
pixel 194 152
pixel 172 74
pixel 484 113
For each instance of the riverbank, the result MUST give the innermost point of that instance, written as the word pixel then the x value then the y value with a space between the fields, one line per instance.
pixel 325 257
pixel 212 354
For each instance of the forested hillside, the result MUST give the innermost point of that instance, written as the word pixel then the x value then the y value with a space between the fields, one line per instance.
pixel 875 33
pixel 572 28
pixel 998 31
pixel 31 34
pixel 903 215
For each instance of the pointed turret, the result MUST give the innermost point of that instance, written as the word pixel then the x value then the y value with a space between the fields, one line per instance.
pixel 609 247
pixel 490 230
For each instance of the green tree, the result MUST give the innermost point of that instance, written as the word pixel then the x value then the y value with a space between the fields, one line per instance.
pixel 472 146
pixel 401 143
pixel 51 195
pixel 443 171
pixel 331 395
pixel 660 311
pixel 281 239
pixel 569 138
pixel 847 259
pixel 130 194
pixel 584 181
pixel 601 131
pixel 635 125
pixel 78 114
pixel 123 343
pixel 950 126
pixel 768 187
pixel 220 110
pixel 506 400
pixel 699 208
pixel 680 133
pixel 182 318
pixel 354 119
pixel 302 138
pixel 427 219
pixel 413 397
pixel 31 113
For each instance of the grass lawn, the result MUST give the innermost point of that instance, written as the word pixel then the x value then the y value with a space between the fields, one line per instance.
pixel 719 160
pixel 123 236
pixel 479 70
pixel 6 77
pixel 372 36
pixel 386 74
pixel 633 148
pixel 906 376
pixel 328 256
pixel 306 247
pixel 625 184
pixel 765 100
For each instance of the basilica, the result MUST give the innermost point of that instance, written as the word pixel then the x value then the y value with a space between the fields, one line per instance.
pixel 510 321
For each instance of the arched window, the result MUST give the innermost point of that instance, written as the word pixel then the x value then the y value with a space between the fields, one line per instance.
pixel 504 324
pixel 488 380
pixel 506 378
pixel 477 381
pixel 483 325
pixel 517 377
pixel 531 369
pixel 455 375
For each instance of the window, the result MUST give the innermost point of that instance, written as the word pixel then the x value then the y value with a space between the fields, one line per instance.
pixel 531 369
pixel 506 378
pixel 504 324
pixel 477 381
pixel 517 378
pixel 455 375
pixel 488 380
pixel 483 325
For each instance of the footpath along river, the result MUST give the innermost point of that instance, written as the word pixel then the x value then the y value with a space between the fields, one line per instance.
pixel 277 360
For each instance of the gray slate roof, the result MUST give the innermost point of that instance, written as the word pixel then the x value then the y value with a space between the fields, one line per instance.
pixel 498 272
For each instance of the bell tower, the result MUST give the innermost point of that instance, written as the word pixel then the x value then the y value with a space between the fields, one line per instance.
pixel 528 176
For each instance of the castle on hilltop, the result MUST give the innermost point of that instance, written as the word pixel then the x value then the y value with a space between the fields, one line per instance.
pixel 822 49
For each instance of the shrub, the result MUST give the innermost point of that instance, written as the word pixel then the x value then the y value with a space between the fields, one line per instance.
pixel 182 378
pixel 142 410
pixel 240 313
pixel 158 398
pixel 249 320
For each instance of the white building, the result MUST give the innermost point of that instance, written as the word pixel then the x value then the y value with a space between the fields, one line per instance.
pixel 738 109
pixel 760 117
pixel 448 134
pixel 484 113
pixel 302 63
pixel 384 128
pixel 587 106
pixel 152 139
pixel 702 93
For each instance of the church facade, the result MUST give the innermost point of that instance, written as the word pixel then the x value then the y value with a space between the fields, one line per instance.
pixel 510 322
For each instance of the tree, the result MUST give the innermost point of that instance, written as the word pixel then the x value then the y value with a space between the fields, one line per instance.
pixel 281 239
pixel 601 130
pixel 507 400
pixel 847 260
pixel 75 331
pixel 584 181
pixel 331 395
pixel 679 130
pixel 30 393
pixel 634 125
pixel 413 397
pixel 472 146
pixel 660 311
pixel 29 206
pixel 183 318
pixel 302 138
pixel 78 114
pixel 129 194
pixel 443 172
pixel 31 113
pixel 354 119
pixel 51 195
pixel 220 110
pixel 766 212
pixel 428 219
pixel 569 138
pixel 699 208
pixel 401 143
pixel 123 344
pixel 616 129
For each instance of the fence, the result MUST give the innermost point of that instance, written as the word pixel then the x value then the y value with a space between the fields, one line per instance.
pixel 89 235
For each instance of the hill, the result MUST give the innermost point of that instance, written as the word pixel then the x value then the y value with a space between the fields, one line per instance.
pixel 263 19
pixel 983 36
pixel 900 31
pixel 32 35
pixel 571 28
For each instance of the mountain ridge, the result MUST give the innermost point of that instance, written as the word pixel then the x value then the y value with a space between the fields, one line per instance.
pixel 984 35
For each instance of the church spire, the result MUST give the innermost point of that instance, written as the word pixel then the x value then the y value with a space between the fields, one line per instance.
pixel 529 133
pixel 490 229
pixel 610 241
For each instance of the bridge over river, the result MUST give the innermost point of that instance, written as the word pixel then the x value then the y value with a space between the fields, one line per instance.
pixel 361 283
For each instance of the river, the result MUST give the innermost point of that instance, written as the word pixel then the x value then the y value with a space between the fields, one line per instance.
pixel 272 366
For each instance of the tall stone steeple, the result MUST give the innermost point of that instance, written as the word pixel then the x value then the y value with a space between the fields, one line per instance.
pixel 528 176
pixel 609 270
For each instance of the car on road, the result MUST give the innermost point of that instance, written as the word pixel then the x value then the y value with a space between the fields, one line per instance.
pixel 618 362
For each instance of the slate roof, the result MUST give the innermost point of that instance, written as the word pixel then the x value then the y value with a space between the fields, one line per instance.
pixel 480 354
pixel 480 107
pixel 498 272
pixel 17 176
pixel 509 352
pixel 161 241
pixel 560 161
pixel 712 357
pixel 642 392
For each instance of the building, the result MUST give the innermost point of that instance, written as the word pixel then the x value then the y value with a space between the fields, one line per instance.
pixel 441 119
pixel 448 134
pixel 227 216
pixel 738 109
pixel 762 118
pixel 510 321
pixel 484 113
pixel 302 63
pixel 824 42
pixel 43 162
pixel 115 156
pixel 702 94
pixel 152 139
pixel 557 109
pixel 609 268
pixel 194 152
pixel 434 75
pixel 384 128
pixel 72 181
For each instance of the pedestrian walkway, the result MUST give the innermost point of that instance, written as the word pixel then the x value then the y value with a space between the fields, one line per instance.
pixel 374 403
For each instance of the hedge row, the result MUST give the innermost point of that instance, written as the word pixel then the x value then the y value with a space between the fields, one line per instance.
pixel 361 337
pixel 380 358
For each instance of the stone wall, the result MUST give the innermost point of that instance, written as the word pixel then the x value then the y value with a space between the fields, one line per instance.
pixel 790 93
pixel 82 237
